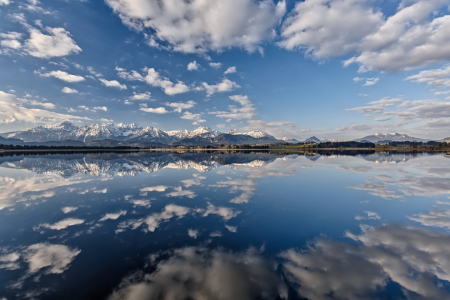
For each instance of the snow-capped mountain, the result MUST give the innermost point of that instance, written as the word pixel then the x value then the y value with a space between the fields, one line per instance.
pixel 313 139
pixel 67 131
pixel 151 134
pixel 233 132
pixel 178 134
pixel 204 132
pixel 393 137
pixel 259 134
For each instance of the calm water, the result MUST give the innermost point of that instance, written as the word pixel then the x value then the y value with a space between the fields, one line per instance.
pixel 225 226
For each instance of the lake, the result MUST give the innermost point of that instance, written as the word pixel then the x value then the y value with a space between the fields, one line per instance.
pixel 157 225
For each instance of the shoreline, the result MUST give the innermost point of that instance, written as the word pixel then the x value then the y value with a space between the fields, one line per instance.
pixel 379 149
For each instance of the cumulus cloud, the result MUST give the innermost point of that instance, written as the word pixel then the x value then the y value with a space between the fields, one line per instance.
pixel 157 110
pixel 200 26
pixel 198 273
pixel 435 77
pixel 412 37
pixel 215 65
pixel 193 66
pixel 141 96
pixel 68 209
pixel 179 192
pixel 158 188
pixel 54 258
pixel 62 75
pixel 179 106
pixel 225 86
pixel 68 90
pixel 412 258
pixel 13 44
pixel 63 224
pixel 153 221
pixel 57 43
pixel 113 83
pixel 247 187
pixel 197 118
pixel 154 79
pixel 230 70
pixel 14 110
pixel 113 216
pixel 246 111
pixel 226 213
pixel 4 2
pixel 328 28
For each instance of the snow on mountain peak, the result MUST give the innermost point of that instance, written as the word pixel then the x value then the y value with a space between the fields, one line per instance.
pixel 234 132
pixel 259 134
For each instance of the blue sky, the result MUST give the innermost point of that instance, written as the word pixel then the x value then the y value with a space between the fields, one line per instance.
pixel 337 69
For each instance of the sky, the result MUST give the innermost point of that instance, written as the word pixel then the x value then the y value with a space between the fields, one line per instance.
pixel 336 69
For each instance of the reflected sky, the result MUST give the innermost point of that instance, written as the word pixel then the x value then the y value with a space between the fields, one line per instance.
pixel 225 226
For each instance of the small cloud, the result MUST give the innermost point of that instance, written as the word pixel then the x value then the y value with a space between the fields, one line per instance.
pixel 230 70
pixel 215 65
pixel 158 110
pixel 113 83
pixel 193 66
pixel 69 90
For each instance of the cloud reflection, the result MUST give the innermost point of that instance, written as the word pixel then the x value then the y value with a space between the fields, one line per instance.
pixel 198 273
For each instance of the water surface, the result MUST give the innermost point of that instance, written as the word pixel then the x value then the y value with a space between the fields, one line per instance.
pixel 225 226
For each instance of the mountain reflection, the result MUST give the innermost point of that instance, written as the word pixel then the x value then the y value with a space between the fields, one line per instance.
pixel 225 226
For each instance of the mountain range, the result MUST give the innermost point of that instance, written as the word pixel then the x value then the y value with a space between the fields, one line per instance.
pixel 109 135
pixel 66 133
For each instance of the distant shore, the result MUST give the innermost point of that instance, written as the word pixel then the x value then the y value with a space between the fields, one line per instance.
pixel 287 149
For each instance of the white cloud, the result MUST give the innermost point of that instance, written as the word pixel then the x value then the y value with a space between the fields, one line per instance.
pixel 63 224
pixel 113 216
pixel 407 39
pixel 104 108
pixel 357 127
pixel 225 86
pixel 141 96
pixel 200 26
pixel 193 66
pixel 246 111
pixel 57 43
pixel 154 221
pixel 190 116
pixel 215 65
pixel 247 187
pixel 12 35
pixel 179 192
pixel 69 90
pixel 13 44
pixel 62 75
pixel 193 233
pixel 158 188
pixel 113 83
pixel 414 36
pixel 4 2
pixel 158 110
pixel 154 79
pixel 327 28
pixel 371 81
pixel 68 209
pixel 230 70
pixel 56 258
pixel 435 77
pixel 179 106
pixel 226 213
pixel 14 110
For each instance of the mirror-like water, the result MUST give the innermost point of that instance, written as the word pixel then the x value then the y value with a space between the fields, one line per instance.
pixel 225 226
